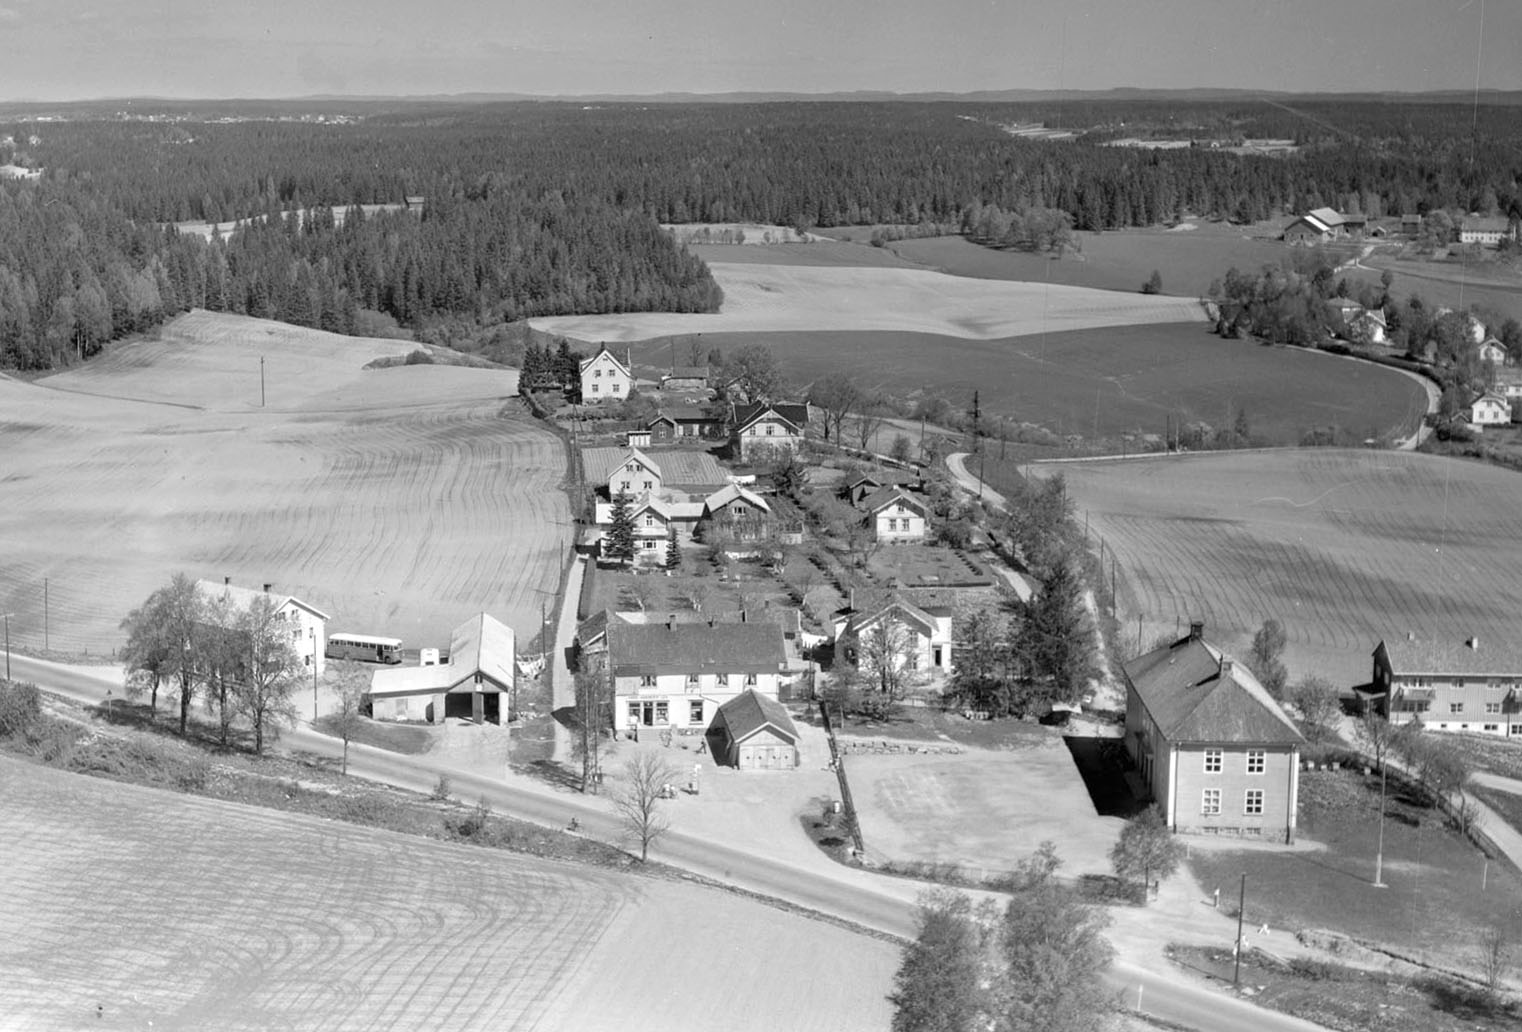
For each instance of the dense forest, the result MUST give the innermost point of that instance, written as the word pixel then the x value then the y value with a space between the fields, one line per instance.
pixel 547 208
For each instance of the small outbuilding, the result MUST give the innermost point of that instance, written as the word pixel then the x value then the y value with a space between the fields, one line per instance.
pixel 755 733
pixel 480 671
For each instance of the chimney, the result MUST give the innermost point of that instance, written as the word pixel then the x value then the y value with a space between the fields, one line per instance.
pixel 742 616
pixel 1196 630
pixel 267 588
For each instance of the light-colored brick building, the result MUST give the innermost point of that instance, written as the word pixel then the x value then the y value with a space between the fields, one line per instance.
pixel 1213 747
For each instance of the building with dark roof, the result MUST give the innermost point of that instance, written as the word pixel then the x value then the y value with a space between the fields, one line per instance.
pixel 1451 685
pixel 918 636
pixel 676 675
pixel 685 378
pixel 761 427
pixel 894 515
pixel 1213 747
pixel 755 733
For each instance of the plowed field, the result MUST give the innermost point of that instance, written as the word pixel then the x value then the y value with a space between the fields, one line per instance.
pixel 399 500
pixel 173 912
pixel 1342 547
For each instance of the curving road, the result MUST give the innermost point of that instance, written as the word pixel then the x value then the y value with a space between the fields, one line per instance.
pixel 882 904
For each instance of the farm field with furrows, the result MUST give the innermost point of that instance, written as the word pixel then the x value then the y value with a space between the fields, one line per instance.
pixel 783 297
pixel 1343 547
pixel 399 500
pixel 175 912
pixel 1110 380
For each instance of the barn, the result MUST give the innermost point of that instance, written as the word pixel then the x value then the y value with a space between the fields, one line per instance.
pixel 482 651
pixel 755 733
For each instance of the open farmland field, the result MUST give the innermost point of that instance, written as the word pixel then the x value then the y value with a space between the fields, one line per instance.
pixel 1109 380
pixel 170 911
pixel 827 252
pixel 1343 547
pixel 1449 284
pixel 1187 259
pixel 786 298
pixel 398 500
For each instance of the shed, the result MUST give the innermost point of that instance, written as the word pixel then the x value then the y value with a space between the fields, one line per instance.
pixel 755 733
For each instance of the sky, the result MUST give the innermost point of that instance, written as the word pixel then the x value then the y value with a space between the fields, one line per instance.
pixel 81 49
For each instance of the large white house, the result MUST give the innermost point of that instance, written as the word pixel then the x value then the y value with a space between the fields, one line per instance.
pixel 921 636
pixel 1449 685
pixel 308 625
pixel 605 378
pixel 1490 410
pixel 762 428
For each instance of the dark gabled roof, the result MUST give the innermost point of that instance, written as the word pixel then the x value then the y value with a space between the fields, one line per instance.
pixel 1412 656
pixel 753 647
pixel 586 363
pixel 750 712
pixel 678 413
pixel 593 627
pixel 860 620
pixel 886 496
pixel 795 413
pixel 1194 693
pixel 686 373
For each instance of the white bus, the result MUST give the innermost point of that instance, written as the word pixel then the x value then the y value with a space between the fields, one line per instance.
pixel 366 647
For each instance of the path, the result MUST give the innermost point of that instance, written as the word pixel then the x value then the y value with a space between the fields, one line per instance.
pixel 868 900
pixel 562 681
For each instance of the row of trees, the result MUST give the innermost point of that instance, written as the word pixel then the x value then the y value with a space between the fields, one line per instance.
pixel 239 660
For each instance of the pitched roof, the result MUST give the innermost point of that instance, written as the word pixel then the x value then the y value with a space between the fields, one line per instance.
pixel 481 644
pixel 243 598
pixel 1327 217
pixel 886 496
pixel 1374 315
pixel 1445 656
pixel 682 413
pixel 1484 223
pixel 586 363
pixel 751 712
pixel 686 373
pixel 752 647
pixel 734 492
pixel 795 413
pixel 1195 693
pixel 859 621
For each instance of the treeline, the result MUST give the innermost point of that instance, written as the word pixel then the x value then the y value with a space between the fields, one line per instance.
pixel 801 164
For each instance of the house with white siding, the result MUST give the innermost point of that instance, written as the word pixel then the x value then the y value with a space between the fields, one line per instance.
pixel 1450 685
pixel 762 428
pixel 307 625
pixel 476 684
pixel 896 516
pixel 604 378
pixel 1489 410
pixel 921 634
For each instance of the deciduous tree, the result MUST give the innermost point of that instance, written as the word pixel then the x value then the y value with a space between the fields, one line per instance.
pixel 264 692
pixel 1146 849
pixel 594 719
pixel 639 797
pixel 163 636
pixel 353 683
pixel 1319 704
pixel 939 983
pixel 838 395
pixel 1267 646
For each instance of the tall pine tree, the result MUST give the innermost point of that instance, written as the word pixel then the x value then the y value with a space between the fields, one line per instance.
pixel 618 543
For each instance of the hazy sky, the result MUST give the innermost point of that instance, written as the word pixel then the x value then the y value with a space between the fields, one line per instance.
pixel 68 49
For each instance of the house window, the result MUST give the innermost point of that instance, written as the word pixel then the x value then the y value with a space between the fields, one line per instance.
pixel 647 681
pixel 739 510
pixel 633 713
pixel 722 680
pixel 616 387
pixel 1492 707
pixel 649 520
pixel 695 711
pixel 1213 762
pixel 1492 727
pixel 595 388
pixel 750 680
pixel 597 373
pixel 1257 761
pixel 692 682
pixel 1210 802
pixel 648 543
pixel 624 486
pixel 770 430
pixel 649 485
pixel 1252 805
pixel 1455 707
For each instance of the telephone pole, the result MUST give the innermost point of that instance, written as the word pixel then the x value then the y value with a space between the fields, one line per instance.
pixel 1236 975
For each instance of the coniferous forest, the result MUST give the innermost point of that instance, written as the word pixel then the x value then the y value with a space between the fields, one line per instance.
pixel 553 208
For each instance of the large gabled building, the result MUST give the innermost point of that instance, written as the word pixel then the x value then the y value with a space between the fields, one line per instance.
pixel 1214 749
pixel 1450 685
pixel 306 624
pixel 604 378
pixel 481 670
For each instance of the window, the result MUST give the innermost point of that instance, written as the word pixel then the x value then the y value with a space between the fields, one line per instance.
pixel 647 681
pixel 750 680
pixel 1257 761
pixel 1213 763
pixel 1492 727
pixel 648 543
pixel 649 520
pixel 1492 707
pixel 770 430
pixel 1455 707
pixel 1210 802
pixel 1252 805
pixel 722 680
pixel 616 387
pixel 634 713
pixel 1458 682
pixel 595 388
pixel 692 682
pixel 624 486
pixel 695 711
pixel 597 373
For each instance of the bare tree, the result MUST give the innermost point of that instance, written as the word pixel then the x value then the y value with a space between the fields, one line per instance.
pixel 594 718
pixel 837 394
pixel 220 659
pixel 1495 949
pixel 1378 735
pixel 353 682
pixel 695 591
pixel 264 693
pixel 885 657
pixel 644 591
pixel 647 779
pixel 869 420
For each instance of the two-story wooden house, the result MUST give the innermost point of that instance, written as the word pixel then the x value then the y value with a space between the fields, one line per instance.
pixel 676 675
pixel 921 634
pixel 896 516
pixel 762 428
pixel 306 624
pixel 1213 747
pixel 1451 685
pixel 604 378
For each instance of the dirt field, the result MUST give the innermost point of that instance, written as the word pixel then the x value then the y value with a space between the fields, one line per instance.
pixel 966 809
pixel 1108 380
pixel 1343 547
pixel 399 500
pixel 173 912
pixel 771 298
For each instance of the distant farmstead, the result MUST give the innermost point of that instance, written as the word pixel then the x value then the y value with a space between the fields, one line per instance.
pixel 1323 225
pixel 605 378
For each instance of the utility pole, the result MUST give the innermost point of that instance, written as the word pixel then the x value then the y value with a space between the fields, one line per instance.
pixel 7 646
pixel 1236 975
pixel 1379 856
pixel 45 646
pixel 261 381
pixel 312 632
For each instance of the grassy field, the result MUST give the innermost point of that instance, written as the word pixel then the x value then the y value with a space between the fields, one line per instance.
pixel 400 501
pixel 170 911
pixel 1188 260
pixel 824 253
pixel 781 297
pixel 1440 891
pixel 1109 380
pixel 1449 283
pixel 1342 547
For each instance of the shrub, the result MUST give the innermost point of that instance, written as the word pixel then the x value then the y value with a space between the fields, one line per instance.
pixel 442 789
pixel 20 709
pixel 418 357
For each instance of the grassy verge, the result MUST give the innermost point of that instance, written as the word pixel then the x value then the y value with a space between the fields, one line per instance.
pixel 1354 1000
pixel 1498 756
pixel 1507 805
pixel 412 739
pixel 932 724
pixel 1440 890
pixel 92 742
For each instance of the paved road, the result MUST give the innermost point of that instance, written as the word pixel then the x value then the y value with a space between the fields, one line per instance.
pixel 880 903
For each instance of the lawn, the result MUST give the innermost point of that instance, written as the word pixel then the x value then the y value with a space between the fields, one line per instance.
pixel 1499 756
pixel 1343 547
pixel 1110 381
pixel 927 566
pixel 610 587
pixel 819 253
pixel 1507 805
pixel 1441 890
